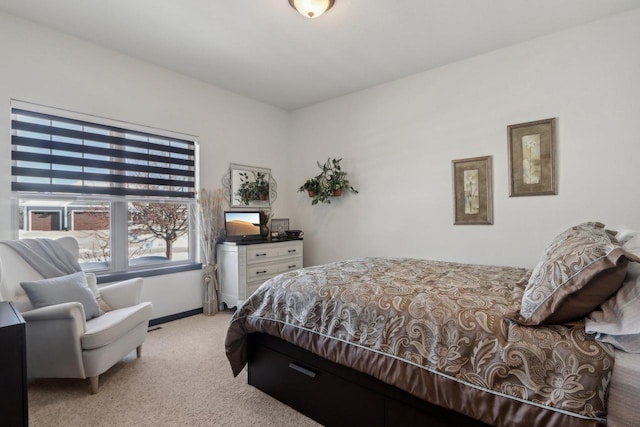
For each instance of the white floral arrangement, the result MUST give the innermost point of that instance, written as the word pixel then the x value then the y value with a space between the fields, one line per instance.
pixel 210 212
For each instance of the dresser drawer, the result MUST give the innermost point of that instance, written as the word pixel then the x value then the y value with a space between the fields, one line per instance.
pixel 264 271
pixel 261 271
pixel 270 252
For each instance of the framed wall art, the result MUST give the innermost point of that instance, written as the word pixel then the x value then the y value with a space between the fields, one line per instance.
pixel 472 187
pixel 532 158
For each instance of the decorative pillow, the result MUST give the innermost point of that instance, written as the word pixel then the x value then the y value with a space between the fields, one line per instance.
pixel 618 319
pixel 580 269
pixel 624 234
pixel 632 245
pixel 92 282
pixel 58 290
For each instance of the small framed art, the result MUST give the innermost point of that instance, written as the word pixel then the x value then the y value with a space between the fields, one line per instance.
pixel 532 158
pixel 472 187
pixel 279 226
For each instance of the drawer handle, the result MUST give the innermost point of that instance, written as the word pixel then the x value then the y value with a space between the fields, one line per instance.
pixel 292 266
pixel 302 370
pixel 261 254
pixel 261 272
pixel 292 251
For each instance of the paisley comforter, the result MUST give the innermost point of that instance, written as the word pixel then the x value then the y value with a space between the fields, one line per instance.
pixel 440 331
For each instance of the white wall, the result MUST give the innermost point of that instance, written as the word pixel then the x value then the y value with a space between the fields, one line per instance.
pixel 398 141
pixel 49 68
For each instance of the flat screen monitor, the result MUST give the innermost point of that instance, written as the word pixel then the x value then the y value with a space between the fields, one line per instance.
pixel 242 226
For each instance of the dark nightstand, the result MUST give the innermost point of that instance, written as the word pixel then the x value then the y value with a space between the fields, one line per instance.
pixel 14 410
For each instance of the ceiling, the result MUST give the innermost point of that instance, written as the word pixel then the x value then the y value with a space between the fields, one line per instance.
pixel 265 50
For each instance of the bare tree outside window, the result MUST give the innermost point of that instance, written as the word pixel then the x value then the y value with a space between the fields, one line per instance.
pixel 150 221
pixel 99 251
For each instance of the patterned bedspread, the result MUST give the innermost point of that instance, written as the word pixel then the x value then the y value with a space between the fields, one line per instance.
pixel 439 331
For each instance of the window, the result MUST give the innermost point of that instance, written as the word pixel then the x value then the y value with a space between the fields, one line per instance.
pixel 124 191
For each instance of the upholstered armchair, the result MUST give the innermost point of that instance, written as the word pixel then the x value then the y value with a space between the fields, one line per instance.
pixel 60 342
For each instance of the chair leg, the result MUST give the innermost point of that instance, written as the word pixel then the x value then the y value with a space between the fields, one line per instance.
pixel 93 384
pixel 139 351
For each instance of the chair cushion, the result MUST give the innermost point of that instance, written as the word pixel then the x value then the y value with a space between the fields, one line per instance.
pixel 58 290
pixel 110 326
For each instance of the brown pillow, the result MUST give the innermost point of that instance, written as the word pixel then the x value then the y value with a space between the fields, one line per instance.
pixel 578 271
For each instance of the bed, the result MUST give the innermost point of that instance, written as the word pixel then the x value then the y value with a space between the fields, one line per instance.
pixel 393 341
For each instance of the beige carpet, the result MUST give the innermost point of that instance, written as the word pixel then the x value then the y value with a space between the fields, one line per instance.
pixel 182 379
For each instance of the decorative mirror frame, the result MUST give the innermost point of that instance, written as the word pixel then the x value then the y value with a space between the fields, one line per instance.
pixel 231 183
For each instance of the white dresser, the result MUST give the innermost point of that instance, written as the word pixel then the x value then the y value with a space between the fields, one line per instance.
pixel 243 267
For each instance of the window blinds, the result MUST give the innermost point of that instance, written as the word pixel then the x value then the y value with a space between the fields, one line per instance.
pixel 58 155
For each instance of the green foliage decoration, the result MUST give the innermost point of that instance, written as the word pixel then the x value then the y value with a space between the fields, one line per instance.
pixel 330 182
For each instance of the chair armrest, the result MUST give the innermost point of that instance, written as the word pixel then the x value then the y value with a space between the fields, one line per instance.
pixel 122 294
pixel 53 341
pixel 67 310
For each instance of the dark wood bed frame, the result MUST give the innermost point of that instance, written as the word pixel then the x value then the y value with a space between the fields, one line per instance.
pixel 335 395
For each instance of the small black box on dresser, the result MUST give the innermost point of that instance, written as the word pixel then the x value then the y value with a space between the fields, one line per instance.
pixel 13 367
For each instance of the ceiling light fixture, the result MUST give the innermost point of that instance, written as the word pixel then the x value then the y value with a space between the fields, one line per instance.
pixel 311 8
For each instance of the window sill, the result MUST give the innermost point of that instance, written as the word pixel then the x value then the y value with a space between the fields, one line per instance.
pixel 147 272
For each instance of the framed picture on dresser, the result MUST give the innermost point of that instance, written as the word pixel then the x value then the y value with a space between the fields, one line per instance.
pixel 279 226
